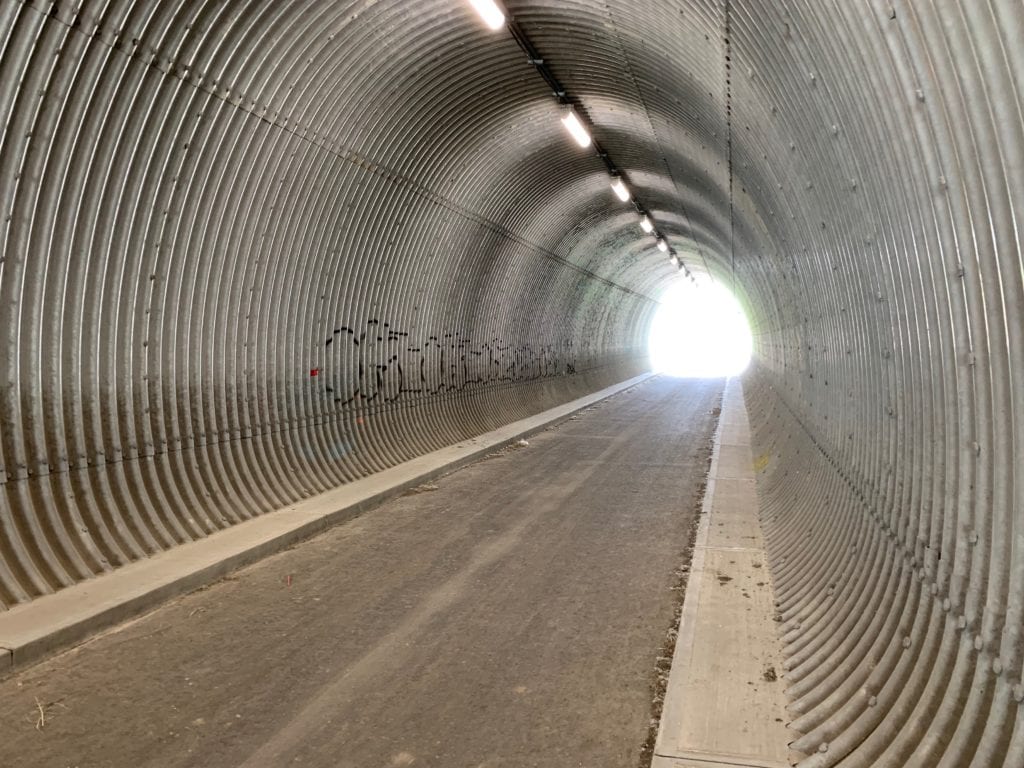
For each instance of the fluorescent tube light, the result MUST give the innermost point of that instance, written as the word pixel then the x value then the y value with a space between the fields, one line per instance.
pixel 490 12
pixel 575 127
pixel 620 189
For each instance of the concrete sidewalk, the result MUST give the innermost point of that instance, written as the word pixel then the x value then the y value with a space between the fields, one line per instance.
pixel 725 704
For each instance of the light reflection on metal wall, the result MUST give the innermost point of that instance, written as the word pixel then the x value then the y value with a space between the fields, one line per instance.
pixel 255 249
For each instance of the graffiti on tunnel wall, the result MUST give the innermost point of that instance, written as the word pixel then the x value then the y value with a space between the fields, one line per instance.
pixel 380 364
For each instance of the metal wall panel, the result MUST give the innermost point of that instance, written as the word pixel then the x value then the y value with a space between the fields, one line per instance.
pixel 255 250
pixel 881 257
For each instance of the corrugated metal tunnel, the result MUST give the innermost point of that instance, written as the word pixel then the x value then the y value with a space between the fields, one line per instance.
pixel 253 250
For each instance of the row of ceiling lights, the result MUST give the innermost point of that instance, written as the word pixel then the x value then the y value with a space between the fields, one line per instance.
pixel 494 17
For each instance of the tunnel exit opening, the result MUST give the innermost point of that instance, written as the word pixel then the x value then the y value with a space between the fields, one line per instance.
pixel 700 330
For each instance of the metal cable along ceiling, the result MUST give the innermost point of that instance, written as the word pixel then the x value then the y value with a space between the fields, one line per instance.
pixel 255 250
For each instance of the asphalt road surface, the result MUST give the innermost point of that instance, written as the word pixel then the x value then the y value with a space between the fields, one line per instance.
pixel 510 618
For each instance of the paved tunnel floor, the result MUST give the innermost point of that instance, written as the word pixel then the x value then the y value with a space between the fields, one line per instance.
pixel 512 617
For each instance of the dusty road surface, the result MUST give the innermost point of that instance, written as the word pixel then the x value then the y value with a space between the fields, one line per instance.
pixel 510 618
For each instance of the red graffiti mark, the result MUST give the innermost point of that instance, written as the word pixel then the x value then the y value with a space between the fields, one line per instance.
pixel 314 371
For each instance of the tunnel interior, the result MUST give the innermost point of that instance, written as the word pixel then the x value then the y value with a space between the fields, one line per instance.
pixel 252 251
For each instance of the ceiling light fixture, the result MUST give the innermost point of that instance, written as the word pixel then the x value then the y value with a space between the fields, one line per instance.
pixel 575 127
pixel 620 190
pixel 490 12
pixel 495 15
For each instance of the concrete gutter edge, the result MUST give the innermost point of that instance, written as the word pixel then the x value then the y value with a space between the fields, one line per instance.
pixel 711 761
pixel 671 714
pixel 725 636
pixel 34 631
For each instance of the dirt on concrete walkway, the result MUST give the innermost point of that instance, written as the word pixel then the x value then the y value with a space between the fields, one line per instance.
pixel 510 617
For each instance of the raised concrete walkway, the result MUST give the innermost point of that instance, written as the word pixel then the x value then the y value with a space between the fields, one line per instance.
pixel 725 704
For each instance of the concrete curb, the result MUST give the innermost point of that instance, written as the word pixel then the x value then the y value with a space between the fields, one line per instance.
pixel 36 630
pixel 671 714
pixel 721 707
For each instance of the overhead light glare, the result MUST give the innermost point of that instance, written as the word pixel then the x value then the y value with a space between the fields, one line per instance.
pixel 674 260
pixel 620 189
pixel 646 226
pixel 490 12
pixel 575 127
pixel 662 245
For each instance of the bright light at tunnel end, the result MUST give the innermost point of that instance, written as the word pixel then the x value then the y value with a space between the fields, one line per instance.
pixel 700 331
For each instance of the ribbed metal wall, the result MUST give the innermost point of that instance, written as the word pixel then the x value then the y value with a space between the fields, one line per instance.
pixel 254 249
pixel 880 145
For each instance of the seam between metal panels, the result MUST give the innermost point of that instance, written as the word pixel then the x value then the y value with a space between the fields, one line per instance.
pixel 654 131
